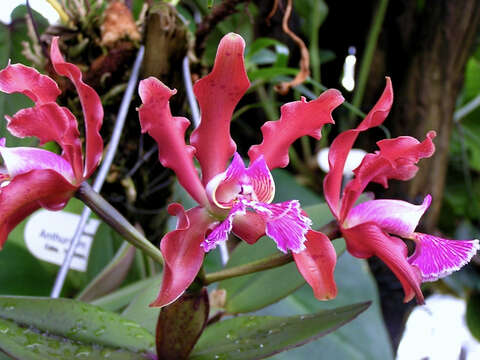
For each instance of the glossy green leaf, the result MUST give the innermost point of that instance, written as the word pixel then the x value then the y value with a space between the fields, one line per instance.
pixel 76 321
pixel 258 337
pixel 111 277
pixel 139 311
pixel 365 338
pixel 287 188
pixel 117 300
pixel 31 344
pixel 254 291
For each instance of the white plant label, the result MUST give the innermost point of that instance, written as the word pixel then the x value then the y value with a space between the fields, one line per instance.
pixel 48 235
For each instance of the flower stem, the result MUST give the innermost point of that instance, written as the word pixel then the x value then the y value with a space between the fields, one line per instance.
pixel 266 263
pixel 331 230
pixel 112 217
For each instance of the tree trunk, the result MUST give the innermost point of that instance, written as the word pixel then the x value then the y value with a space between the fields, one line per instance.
pixel 426 53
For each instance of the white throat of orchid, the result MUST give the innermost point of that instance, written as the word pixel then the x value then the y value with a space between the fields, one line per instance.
pixel 251 189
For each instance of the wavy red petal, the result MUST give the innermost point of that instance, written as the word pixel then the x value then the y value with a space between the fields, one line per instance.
pixel 182 252
pixel 317 264
pixel 297 119
pixel 169 133
pixel 28 81
pixel 368 239
pixel 27 193
pixel 91 106
pixel 50 122
pixel 218 93
pixel 343 143
pixel 395 160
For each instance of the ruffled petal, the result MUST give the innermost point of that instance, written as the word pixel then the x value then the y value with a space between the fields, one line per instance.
pixel 91 106
pixel 28 192
pixel 182 252
pixel 28 81
pixel 254 182
pixel 298 118
pixel 286 224
pixel 224 188
pixel 261 180
pixel 437 257
pixel 169 133
pixel 392 216
pixel 249 227
pixel 50 122
pixel 395 160
pixel 367 240
pixel 343 143
pixel 218 93
pixel 21 160
pixel 317 263
pixel 221 231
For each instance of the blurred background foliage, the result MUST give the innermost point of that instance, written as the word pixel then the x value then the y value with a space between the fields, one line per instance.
pixel 429 48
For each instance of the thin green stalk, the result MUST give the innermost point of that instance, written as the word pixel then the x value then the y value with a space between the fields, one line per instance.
pixel 112 217
pixel 368 54
pixel 267 103
pixel 252 267
pixel 317 17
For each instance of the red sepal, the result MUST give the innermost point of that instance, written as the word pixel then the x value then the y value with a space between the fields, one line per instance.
pixel 91 106
pixel 27 193
pixel 218 93
pixel 317 263
pixel 182 252
pixel 297 119
pixel 343 143
pixel 169 133
pixel 368 239
pixel 28 81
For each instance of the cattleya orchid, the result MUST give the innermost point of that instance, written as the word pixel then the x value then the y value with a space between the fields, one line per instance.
pixel 374 227
pixel 235 198
pixel 32 177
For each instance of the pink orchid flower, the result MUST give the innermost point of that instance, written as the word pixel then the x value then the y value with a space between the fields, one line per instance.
pixel 235 198
pixel 33 177
pixel 375 227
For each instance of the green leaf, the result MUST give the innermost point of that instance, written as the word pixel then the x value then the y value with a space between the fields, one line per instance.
pixel 112 276
pixel 472 315
pixel 287 188
pixel 31 344
pixel 139 311
pixel 268 74
pixel 254 291
pixel 122 297
pixel 76 321
pixel 354 340
pixel 22 274
pixel 258 337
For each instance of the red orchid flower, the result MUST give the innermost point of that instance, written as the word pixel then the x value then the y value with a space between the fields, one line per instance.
pixel 33 177
pixel 374 227
pixel 234 199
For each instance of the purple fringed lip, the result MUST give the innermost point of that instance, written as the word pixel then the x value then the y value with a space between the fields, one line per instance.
pixel 252 189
